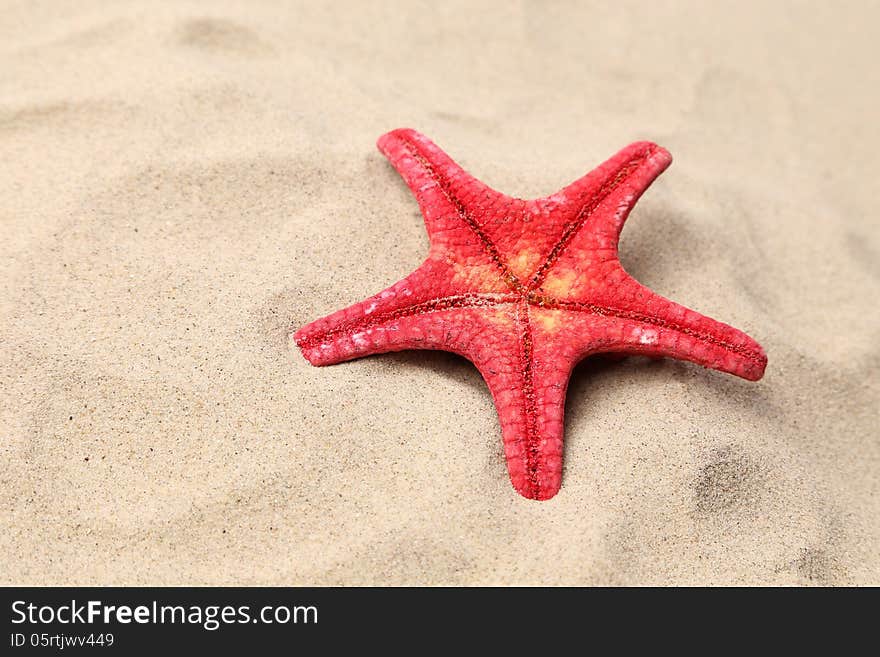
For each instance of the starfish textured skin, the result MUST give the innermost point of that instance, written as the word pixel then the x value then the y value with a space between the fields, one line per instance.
pixel 525 290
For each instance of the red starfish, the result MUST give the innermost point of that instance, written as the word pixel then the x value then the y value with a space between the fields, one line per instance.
pixel 525 290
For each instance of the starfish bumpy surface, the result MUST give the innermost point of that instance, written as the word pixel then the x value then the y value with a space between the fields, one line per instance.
pixel 525 290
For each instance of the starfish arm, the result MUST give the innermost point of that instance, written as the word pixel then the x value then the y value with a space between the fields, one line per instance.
pixel 674 331
pixel 445 192
pixel 640 321
pixel 410 314
pixel 528 382
pixel 600 202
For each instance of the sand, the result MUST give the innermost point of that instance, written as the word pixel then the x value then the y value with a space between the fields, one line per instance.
pixel 181 184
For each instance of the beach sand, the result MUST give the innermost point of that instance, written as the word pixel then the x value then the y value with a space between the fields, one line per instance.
pixel 183 183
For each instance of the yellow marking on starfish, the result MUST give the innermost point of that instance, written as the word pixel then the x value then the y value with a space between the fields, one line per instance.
pixel 482 277
pixel 560 283
pixel 548 321
pixel 525 262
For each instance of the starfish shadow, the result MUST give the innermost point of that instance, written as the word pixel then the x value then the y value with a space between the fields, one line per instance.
pixel 589 372
pixel 746 397
pixel 452 366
